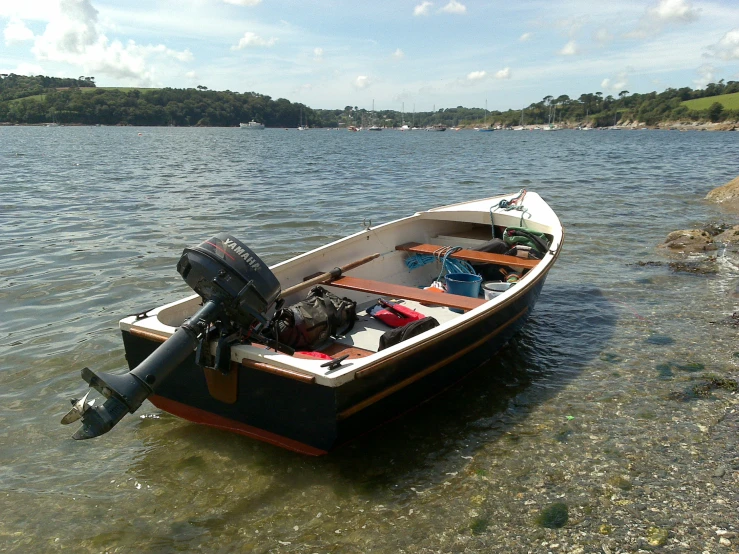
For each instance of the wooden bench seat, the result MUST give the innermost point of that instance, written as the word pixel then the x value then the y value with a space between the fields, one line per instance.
pixel 409 293
pixel 470 255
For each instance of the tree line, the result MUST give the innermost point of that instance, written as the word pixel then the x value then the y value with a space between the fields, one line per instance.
pixel 40 99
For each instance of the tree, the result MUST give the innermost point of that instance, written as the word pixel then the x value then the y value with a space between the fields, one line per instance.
pixel 715 112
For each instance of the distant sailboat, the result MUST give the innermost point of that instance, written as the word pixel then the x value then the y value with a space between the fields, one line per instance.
pixel 374 126
pixel 486 128
pixel 521 127
pixel 302 127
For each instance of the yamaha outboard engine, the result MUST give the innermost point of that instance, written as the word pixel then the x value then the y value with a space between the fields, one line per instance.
pixel 237 289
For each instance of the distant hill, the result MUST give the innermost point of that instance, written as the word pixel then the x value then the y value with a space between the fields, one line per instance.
pixel 38 100
pixel 728 101
pixel 14 86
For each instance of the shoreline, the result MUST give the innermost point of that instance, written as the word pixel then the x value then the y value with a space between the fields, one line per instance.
pixel 666 126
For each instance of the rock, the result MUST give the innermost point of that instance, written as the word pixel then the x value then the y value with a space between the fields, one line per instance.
pixel 690 240
pixel 726 195
pixel 729 237
pixel 657 536
pixel 553 516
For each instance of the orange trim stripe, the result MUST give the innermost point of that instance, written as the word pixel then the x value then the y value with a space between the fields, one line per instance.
pixel 203 417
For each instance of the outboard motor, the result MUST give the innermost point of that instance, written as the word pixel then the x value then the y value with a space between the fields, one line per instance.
pixel 237 289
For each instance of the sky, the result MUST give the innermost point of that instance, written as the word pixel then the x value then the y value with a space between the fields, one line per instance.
pixel 413 55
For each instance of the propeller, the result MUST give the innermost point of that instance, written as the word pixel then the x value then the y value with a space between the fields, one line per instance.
pixel 79 407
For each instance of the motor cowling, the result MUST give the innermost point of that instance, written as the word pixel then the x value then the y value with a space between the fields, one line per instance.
pixel 223 268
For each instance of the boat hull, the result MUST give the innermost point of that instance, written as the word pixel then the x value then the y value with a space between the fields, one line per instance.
pixel 298 414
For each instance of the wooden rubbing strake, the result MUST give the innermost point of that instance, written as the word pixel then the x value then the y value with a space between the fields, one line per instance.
pixel 470 255
pixel 408 293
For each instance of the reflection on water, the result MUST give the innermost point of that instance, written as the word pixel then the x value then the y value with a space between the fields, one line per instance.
pixel 94 220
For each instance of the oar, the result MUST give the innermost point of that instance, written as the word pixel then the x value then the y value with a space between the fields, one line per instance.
pixel 328 276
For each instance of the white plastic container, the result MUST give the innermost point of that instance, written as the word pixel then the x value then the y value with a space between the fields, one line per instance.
pixel 491 289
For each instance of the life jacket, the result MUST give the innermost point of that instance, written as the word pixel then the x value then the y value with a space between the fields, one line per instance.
pixel 394 315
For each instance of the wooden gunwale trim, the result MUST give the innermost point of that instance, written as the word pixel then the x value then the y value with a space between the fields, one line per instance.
pixel 147 335
pixel 413 378
pixel 246 362
pixel 289 374
pixel 469 255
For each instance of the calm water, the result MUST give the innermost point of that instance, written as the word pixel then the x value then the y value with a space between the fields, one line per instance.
pixel 93 220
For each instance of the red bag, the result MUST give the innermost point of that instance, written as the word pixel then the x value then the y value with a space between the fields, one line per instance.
pixel 394 315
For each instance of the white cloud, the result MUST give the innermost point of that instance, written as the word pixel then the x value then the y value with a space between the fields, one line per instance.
pixel 16 31
pixel 27 69
pixel 666 12
pixel 569 49
pixel 504 73
pixel 191 75
pixel 252 39
pixel 398 54
pixel 361 82
pixel 728 47
pixel 318 54
pixel 615 85
pixel 243 2
pixel 525 37
pixel 676 11
pixel 454 7
pixel 423 8
pixel 476 75
pixel 706 74
pixel 74 36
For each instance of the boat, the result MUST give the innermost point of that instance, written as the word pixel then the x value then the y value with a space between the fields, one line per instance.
pixel 487 128
pixel 436 127
pixel 302 127
pixel 374 126
pixel 252 125
pixel 210 359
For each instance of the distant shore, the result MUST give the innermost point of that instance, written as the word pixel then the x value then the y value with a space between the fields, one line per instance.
pixel 665 126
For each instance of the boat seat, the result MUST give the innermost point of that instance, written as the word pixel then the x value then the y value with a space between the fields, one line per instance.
pixel 470 255
pixel 408 293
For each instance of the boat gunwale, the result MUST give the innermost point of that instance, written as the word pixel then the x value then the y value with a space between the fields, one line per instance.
pixel 359 368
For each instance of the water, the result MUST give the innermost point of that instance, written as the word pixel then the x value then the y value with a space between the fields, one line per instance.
pixel 93 220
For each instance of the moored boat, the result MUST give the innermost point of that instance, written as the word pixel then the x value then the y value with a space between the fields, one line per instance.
pixel 222 363
pixel 253 125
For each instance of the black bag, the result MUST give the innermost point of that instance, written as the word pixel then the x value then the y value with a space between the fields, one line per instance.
pixel 494 246
pixel 491 272
pixel 315 320
pixel 399 334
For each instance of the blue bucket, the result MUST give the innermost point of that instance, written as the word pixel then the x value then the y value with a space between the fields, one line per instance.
pixel 464 284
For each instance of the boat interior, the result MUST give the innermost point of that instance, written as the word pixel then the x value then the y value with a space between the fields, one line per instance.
pixel 408 262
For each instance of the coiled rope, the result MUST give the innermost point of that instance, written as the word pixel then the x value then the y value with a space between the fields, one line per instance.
pixel 441 255
pixel 515 203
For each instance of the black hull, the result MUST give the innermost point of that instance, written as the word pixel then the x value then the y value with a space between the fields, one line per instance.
pixel 314 419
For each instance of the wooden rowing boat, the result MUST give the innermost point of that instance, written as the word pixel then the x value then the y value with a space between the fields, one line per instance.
pixel 310 406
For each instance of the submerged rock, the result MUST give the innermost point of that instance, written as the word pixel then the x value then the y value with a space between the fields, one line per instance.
pixel 657 536
pixel 553 516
